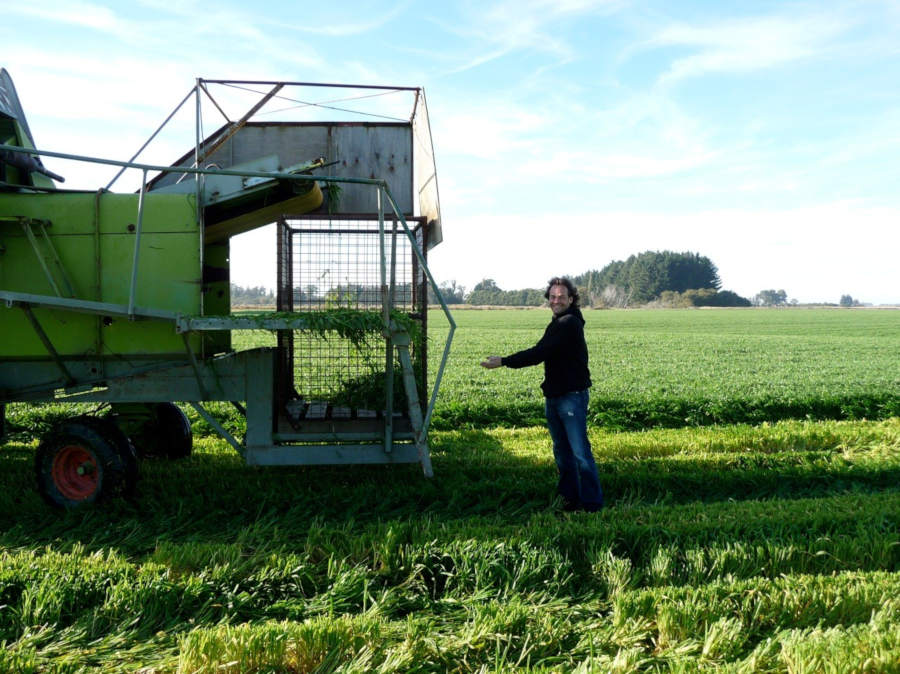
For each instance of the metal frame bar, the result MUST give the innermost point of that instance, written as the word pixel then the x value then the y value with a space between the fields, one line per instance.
pixel 440 297
pixel 330 455
pixel 415 410
pixel 389 374
pixel 85 306
pixel 220 429
pixel 202 85
pixel 198 184
pixel 386 306
pixel 137 246
pixel 27 225
pixel 55 256
pixel 32 239
pixel 188 169
pixel 45 340
pixel 363 232
pixel 150 139
pixel 313 84
pixel 196 367
pixel 256 322
pixel 235 127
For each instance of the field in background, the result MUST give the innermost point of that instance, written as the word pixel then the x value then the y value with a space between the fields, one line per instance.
pixel 771 547
pixel 673 368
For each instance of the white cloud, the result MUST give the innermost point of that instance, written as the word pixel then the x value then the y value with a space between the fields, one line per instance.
pixel 83 14
pixel 489 131
pixel 244 42
pixel 520 26
pixel 594 168
pixel 743 45
pixel 562 7
pixel 336 25
pixel 643 137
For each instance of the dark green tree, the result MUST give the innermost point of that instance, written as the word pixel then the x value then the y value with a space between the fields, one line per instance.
pixel 487 292
pixel 644 277
pixel 251 296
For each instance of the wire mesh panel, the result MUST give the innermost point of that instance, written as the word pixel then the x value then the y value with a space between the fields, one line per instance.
pixel 334 266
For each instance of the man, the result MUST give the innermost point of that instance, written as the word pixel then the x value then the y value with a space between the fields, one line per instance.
pixel 564 354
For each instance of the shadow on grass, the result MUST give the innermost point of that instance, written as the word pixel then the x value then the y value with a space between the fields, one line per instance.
pixel 216 497
pixel 784 475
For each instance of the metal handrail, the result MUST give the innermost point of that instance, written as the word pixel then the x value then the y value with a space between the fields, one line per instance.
pixel 437 291
pixel 185 169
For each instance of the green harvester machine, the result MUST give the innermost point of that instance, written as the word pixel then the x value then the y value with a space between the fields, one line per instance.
pixel 123 300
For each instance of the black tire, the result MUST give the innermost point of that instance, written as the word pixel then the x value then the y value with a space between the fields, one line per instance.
pixel 110 429
pixel 85 460
pixel 176 429
pixel 167 435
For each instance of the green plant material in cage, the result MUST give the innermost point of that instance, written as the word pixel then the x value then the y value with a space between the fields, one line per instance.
pixel 366 391
pixel 356 325
pixel 333 193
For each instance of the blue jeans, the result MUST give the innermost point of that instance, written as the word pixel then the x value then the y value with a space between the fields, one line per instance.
pixel 567 421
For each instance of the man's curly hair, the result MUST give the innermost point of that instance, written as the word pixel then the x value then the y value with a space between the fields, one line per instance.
pixel 563 281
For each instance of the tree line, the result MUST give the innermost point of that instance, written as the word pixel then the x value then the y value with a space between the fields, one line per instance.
pixel 660 278
pixel 252 296
pixel 651 278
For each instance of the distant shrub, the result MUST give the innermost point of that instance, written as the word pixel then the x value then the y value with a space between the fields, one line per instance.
pixel 702 297
pixel 726 298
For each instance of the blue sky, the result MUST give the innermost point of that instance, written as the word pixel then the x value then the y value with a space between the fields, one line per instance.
pixel 764 135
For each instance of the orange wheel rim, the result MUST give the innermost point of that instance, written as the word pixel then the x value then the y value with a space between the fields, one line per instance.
pixel 75 472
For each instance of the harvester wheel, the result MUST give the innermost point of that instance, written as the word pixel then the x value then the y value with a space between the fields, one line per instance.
pixel 167 434
pixel 85 460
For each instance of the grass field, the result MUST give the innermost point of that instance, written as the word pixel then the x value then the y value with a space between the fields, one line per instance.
pixel 765 547
pixel 673 368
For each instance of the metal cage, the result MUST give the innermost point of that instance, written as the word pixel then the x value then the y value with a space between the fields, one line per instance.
pixel 335 263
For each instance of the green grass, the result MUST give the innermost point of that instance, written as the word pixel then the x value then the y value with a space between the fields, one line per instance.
pixel 746 547
pixel 769 548
pixel 672 368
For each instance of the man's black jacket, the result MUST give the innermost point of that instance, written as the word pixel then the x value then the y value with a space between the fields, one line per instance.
pixel 563 352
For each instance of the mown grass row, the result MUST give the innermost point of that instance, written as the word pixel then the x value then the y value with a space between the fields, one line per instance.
pixel 651 547
pixel 146 615
pixel 616 413
pixel 704 559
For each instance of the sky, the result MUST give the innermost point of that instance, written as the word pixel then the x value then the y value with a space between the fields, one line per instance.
pixel 567 133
